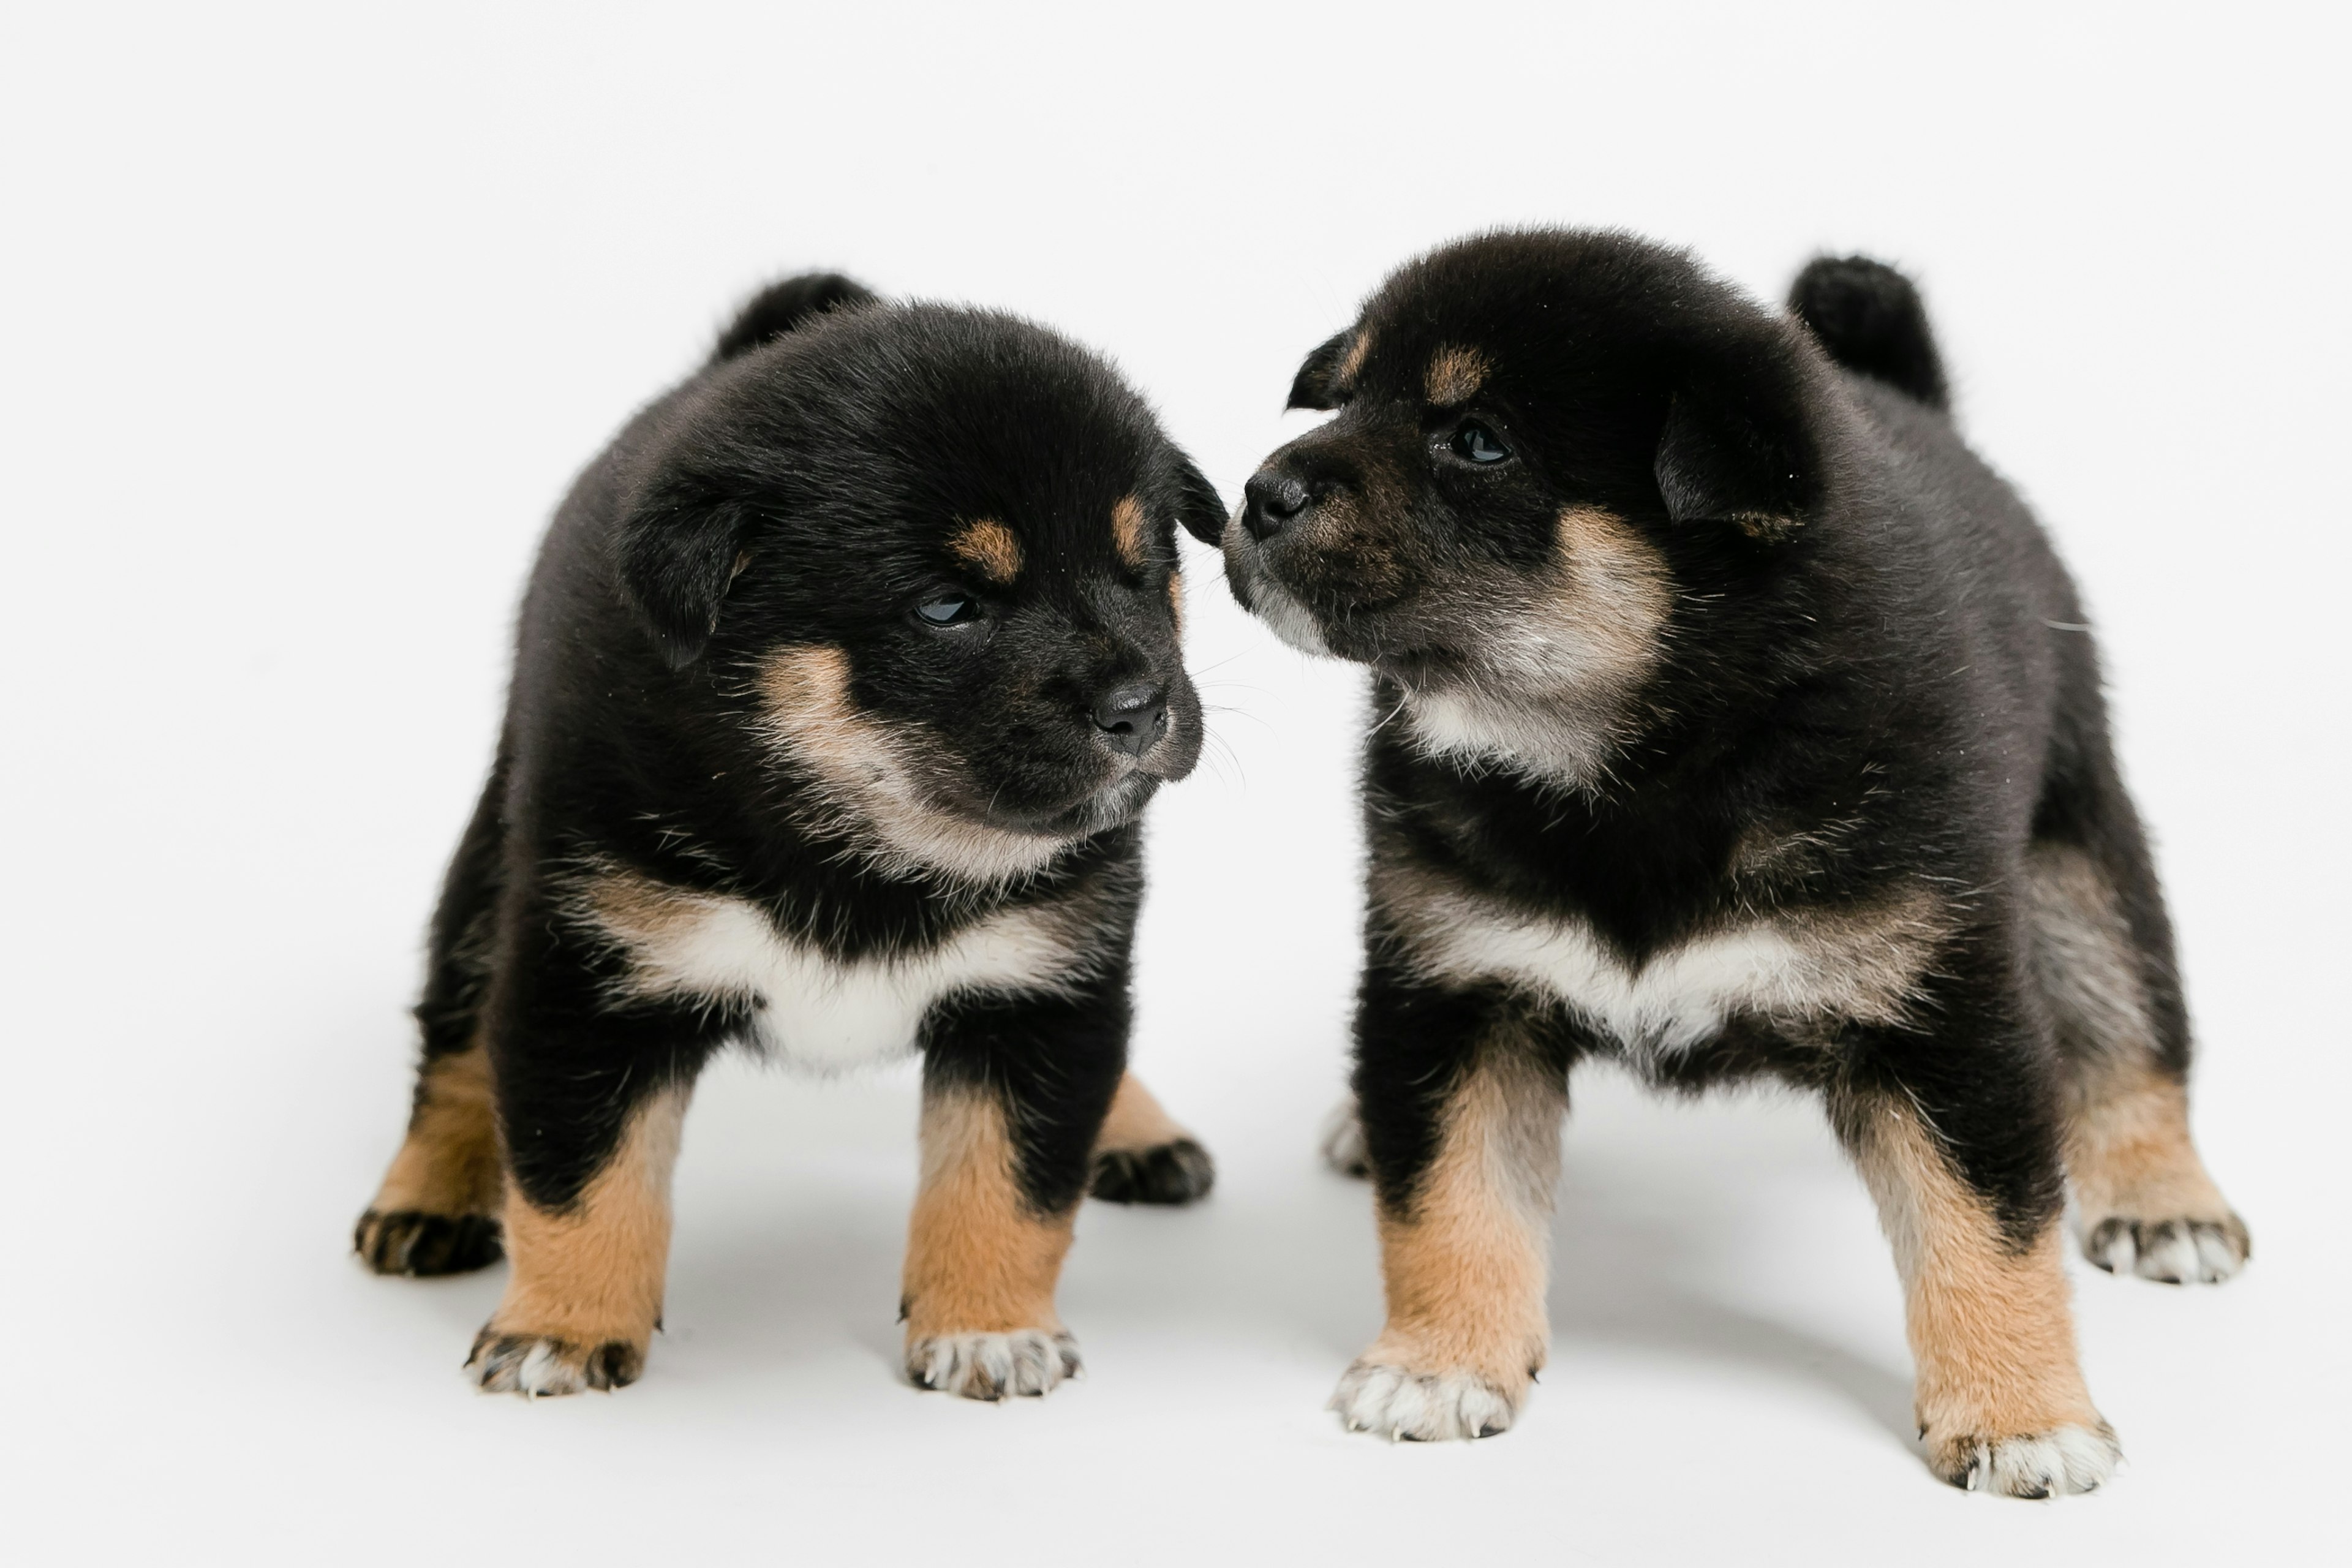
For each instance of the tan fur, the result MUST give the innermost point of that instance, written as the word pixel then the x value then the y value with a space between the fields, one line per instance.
pixel 1351 364
pixel 2129 1154
pixel 1176 600
pixel 979 1258
pixel 1619 592
pixel 592 1274
pixel 1454 376
pixel 1128 531
pixel 991 548
pixel 1465 1265
pixel 1136 1120
pixel 873 775
pixel 449 1164
pixel 2128 1148
pixel 1991 1333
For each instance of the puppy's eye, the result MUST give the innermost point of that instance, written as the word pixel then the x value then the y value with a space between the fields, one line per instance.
pixel 1474 443
pixel 948 610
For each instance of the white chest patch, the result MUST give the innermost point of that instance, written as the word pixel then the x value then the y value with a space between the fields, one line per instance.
pixel 808 1008
pixel 1786 968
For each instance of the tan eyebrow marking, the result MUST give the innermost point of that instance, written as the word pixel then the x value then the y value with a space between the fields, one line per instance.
pixel 1351 364
pixel 1455 375
pixel 1127 529
pixel 991 548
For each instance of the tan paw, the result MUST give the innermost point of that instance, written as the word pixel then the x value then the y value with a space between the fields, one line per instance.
pixel 1022 1363
pixel 2061 1460
pixel 540 1366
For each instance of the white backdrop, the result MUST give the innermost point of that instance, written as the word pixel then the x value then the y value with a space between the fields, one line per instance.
pixel 310 317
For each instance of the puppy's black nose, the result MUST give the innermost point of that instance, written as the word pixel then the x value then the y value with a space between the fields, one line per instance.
pixel 1131 718
pixel 1272 500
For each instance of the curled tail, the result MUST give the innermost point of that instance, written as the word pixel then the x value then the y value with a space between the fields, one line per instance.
pixel 1868 316
pixel 780 307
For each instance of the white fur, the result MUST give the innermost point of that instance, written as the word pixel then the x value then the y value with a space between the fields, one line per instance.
pixel 1025 1362
pixel 2047 1464
pixel 1289 618
pixel 1678 997
pixel 1394 1403
pixel 811 1010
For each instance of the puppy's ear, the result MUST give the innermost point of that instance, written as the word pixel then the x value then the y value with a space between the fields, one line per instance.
pixel 1740 456
pixel 677 553
pixel 1198 506
pixel 1315 386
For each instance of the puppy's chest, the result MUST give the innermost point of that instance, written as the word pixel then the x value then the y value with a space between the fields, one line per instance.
pixel 1788 968
pixel 808 1006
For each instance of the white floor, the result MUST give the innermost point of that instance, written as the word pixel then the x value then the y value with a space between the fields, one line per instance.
pixel 319 322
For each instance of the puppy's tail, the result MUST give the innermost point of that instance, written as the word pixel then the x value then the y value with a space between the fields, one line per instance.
pixel 780 307
pixel 1868 316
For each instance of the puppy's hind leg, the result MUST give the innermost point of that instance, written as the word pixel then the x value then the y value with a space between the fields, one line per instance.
pixel 1143 1156
pixel 2144 1202
pixel 437 1209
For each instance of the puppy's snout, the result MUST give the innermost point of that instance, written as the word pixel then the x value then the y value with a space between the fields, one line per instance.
pixel 1271 500
pixel 1131 718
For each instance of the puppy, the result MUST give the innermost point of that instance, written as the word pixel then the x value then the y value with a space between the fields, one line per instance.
pixel 842 678
pixel 1731 719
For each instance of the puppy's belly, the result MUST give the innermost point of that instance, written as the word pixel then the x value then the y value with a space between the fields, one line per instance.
pixel 808 1008
pixel 1791 968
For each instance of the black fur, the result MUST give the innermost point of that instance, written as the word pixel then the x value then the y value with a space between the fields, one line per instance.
pixel 1812 659
pixel 804 490
pixel 1869 319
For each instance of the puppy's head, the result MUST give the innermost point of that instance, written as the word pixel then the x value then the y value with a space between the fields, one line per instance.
pixel 925 557
pixel 1542 441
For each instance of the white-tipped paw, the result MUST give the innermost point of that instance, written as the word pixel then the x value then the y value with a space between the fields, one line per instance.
pixel 1402 1405
pixel 1020 1364
pixel 2175 1251
pixel 542 1366
pixel 2063 1460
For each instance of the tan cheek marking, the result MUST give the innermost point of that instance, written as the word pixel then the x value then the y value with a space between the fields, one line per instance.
pixel 1617 588
pixel 1128 531
pixel 1136 1120
pixel 1990 1330
pixel 990 548
pixel 808 706
pixel 979 1258
pixel 449 1164
pixel 1176 600
pixel 592 1274
pixel 1465 1266
pixel 1454 376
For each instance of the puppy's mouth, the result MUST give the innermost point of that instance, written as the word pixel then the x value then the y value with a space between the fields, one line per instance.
pixel 1112 804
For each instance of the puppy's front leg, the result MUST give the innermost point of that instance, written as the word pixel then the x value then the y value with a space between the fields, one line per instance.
pixel 1015 1093
pixel 1461 1106
pixel 2001 1398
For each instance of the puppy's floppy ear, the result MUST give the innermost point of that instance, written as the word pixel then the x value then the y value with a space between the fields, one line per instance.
pixel 1740 455
pixel 677 552
pixel 1198 506
pixel 1315 386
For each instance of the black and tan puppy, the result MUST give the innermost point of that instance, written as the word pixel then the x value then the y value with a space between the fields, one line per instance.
pixel 1732 719
pixel 840 685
